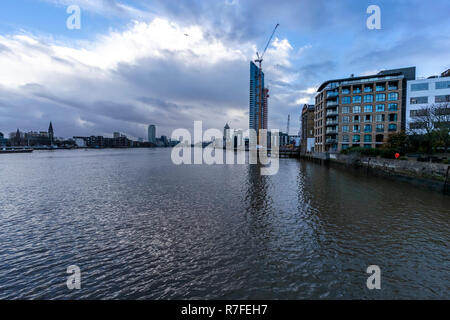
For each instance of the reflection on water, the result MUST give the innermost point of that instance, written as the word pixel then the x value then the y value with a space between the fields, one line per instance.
pixel 142 228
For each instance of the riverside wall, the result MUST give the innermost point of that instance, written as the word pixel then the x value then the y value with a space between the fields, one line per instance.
pixel 435 176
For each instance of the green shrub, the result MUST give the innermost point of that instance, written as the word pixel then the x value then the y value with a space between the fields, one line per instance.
pixel 389 153
pixel 403 158
pixel 369 152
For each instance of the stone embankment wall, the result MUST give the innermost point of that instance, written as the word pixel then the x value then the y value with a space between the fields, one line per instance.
pixel 435 176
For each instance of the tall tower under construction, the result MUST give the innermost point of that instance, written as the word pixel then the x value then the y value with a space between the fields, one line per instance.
pixel 258 107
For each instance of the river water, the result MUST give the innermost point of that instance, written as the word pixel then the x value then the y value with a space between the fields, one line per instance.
pixel 140 227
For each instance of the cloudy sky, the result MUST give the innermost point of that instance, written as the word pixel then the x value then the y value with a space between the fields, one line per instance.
pixel 168 63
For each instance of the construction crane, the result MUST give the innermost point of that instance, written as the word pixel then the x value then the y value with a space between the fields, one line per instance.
pixel 259 85
pixel 288 123
pixel 260 58
pixel 300 126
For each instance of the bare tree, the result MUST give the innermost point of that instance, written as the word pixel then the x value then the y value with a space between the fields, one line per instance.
pixel 441 117
pixel 433 123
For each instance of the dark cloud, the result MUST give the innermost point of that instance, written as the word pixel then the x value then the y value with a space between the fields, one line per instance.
pixel 4 49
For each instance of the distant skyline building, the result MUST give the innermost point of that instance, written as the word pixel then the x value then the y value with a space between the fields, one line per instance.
pixel 51 134
pixel 226 132
pixel 265 109
pixel 152 133
pixel 3 141
pixel 307 129
pixel 258 104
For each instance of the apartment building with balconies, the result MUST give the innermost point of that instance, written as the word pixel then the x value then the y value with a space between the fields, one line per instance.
pixel 360 111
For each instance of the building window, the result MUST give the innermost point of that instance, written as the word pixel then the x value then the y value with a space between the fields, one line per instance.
pixel 344 146
pixel 392 117
pixel 380 128
pixel 392 127
pixel 345 100
pixel 346 90
pixel 368 108
pixel 439 99
pixel 368 88
pixel 368 98
pixel 419 86
pixel 393 96
pixel 379 118
pixel 368 118
pixel 367 138
pixel 419 100
pixel 356 99
pixel 345 129
pixel 379 137
pixel 393 107
pixel 381 97
pixel 418 113
pixel 368 128
pixel 356 128
pixel 356 138
pixel 393 86
pixel 380 87
pixel 356 89
pixel 356 119
pixel 356 109
pixel 443 85
pixel 345 138
pixel 345 109
pixel 380 107
pixel 346 119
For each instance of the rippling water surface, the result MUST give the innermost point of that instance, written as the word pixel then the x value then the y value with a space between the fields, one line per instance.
pixel 140 227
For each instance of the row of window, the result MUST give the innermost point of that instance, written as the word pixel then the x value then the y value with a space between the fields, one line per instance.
pixel 426 86
pixel 368 128
pixel 369 98
pixel 357 138
pixel 369 88
pixel 369 108
pixel 423 100
pixel 392 117
pixel 346 146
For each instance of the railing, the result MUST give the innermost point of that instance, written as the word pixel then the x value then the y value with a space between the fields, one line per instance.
pixel 332 113
pixel 332 94
pixel 328 123
pixel 332 104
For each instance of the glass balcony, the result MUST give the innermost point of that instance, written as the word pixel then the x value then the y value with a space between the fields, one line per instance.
pixel 332 113
pixel 331 131
pixel 331 141
pixel 331 122
pixel 332 94
pixel 332 104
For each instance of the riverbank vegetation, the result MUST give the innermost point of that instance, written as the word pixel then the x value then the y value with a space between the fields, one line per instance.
pixel 428 136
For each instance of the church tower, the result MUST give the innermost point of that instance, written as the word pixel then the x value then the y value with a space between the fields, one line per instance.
pixel 50 133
